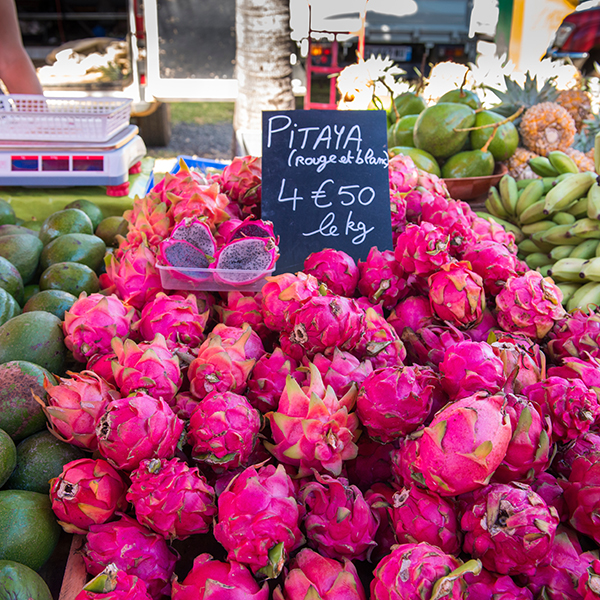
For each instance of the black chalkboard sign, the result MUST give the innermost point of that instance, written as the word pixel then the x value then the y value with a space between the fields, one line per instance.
pixel 325 182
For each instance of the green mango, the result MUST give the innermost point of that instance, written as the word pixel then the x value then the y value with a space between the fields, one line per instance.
pixel 422 159
pixel 462 96
pixel 435 129
pixel 407 103
pixel 401 132
pixel 506 138
pixel 472 163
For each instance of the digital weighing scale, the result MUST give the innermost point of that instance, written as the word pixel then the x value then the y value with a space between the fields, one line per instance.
pixel 70 163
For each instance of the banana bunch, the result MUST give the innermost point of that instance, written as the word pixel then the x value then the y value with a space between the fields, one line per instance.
pixel 556 222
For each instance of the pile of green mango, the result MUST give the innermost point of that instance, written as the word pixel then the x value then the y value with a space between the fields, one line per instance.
pixel 451 138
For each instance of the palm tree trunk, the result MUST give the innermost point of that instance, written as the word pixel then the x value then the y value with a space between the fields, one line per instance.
pixel 263 68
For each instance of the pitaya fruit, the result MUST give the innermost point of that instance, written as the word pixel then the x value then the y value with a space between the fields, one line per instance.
pixel 509 527
pixel 241 180
pixel 314 576
pixel 571 405
pixel 373 463
pixel 403 460
pixel 551 490
pixel 86 492
pixel 398 213
pixel 135 428
pixel 577 334
pixel 429 345
pixel 341 370
pixel 463 445
pixel 392 402
pixel 258 519
pixel 134 549
pixel 339 523
pixel 147 366
pixel 101 364
pixel 414 312
pixel 422 516
pixel 171 499
pixel 491 231
pixel 93 321
pixel 312 428
pixel 582 495
pixel 488 586
pixel 250 227
pixel 530 450
pixel 245 260
pixel 75 405
pixel 494 263
pixel 114 584
pixel 147 220
pixel 382 278
pixel 229 335
pixel 404 175
pixel 379 498
pixel 587 370
pixel 422 249
pixel 197 233
pixel 201 202
pixel 529 304
pixel 211 579
pixel 586 445
pixel 176 317
pixel 432 183
pixel 188 263
pixel 481 332
pixel 241 308
pixel 589 585
pixel 184 406
pixel 417 571
pixel 336 269
pixel 470 367
pixel 223 430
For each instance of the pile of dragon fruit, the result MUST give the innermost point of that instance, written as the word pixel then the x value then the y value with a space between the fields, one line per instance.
pixel 420 425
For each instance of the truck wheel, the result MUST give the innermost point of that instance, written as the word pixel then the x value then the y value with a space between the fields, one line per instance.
pixel 155 129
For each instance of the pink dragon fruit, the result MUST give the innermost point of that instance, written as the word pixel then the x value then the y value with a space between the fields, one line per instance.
pixel 241 180
pixel 403 460
pixel 417 571
pixel 229 335
pixel 587 370
pixel 324 322
pixel 586 445
pixel 203 201
pixel 336 269
pixel 176 317
pixel 220 367
pixel 463 445
pixel 241 308
pixel 75 405
pixel 184 406
pixel 114 584
pixel 530 450
pixel 379 498
pixel 251 227
pixel 258 519
pixel 422 516
pixel 491 231
pixel 132 548
pixel 422 249
pixel 487 586
pixel 147 366
pixel 87 492
pixel 413 312
pixel 571 405
pixel 135 278
pixel 223 430
pixel 589 585
pixel 93 321
pixel 470 367
pixel 267 381
pixel 319 577
pixel 147 221
pixel 398 213
pixel 211 579
pixel 577 334
pixel 101 364
pixel 373 464
pixel 135 428
pixel 339 523
pixel 392 402
pixel 456 294
pixel 404 175
pixel 582 495
pixel 171 499
pixel 429 345
pixel 529 304
pixel 245 260
pixel 285 293
pixel 481 332
pixel 341 370
pixel 551 491
pixel 382 278
pixel 509 527
pixel 432 183
pixel 187 263
pixel 494 263
pixel 312 428
pixel 197 233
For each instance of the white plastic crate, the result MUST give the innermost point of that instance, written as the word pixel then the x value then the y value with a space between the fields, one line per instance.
pixel 37 118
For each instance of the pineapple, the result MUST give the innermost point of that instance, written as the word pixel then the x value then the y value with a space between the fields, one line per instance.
pixel 582 160
pixel 547 126
pixel 518 164
pixel 578 104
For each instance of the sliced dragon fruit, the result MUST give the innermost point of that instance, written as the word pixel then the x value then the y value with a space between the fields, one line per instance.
pixel 184 257
pixel 245 260
pixel 253 228
pixel 197 233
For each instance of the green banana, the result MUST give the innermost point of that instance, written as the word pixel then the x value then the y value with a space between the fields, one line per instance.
pixel 588 294
pixel 586 228
pixel 545 270
pixel 597 250
pixel 586 249
pixel 527 246
pixel 543 246
pixel 562 162
pixel 597 152
pixel 567 269
pixel 593 201
pixel 493 204
pixel 509 193
pixel 591 269
pixel 538 259
pixel 529 196
pixel 523 183
pixel 563 218
pixel 537 227
pixel 559 236
pixel 549 183
pixel 567 288
pixel 533 213
pixel 559 252
pixel 579 208
pixel 572 188
pixel 542 166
